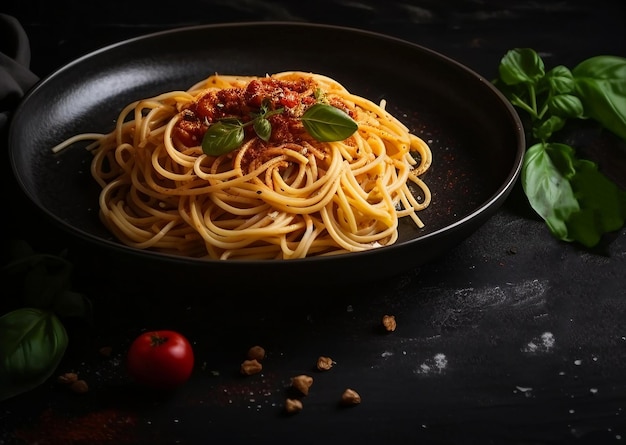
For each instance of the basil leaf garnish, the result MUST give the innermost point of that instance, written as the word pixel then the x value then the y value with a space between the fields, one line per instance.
pixel 328 124
pixel 263 128
pixel 323 122
pixel 222 137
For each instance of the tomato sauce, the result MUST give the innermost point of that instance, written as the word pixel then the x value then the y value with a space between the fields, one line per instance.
pixel 293 96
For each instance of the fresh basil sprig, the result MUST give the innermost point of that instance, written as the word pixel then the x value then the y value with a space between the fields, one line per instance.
pixel 577 202
pixel 323 122
pixel 227 134
pixel 33 339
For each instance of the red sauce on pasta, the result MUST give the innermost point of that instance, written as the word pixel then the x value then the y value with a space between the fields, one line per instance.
pixel 294 96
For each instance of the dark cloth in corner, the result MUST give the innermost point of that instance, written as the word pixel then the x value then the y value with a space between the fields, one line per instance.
pixel 15 76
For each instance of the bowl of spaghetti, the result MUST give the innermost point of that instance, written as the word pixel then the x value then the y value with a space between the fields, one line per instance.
pixel 256 156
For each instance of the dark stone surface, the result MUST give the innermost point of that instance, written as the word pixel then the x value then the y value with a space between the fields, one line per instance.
pixel 512 337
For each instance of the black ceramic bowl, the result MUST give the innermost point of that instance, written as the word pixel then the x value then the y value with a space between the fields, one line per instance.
pixel 476 136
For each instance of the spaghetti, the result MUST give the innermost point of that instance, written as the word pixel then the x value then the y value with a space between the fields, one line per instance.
pixel 290 196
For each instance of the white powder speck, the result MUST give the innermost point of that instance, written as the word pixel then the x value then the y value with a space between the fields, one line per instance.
pixel 437 364
pixel 441 362
pixel 578 362
pixel 544 343
pixel 593 390
pixel 548 340
pixel 526 390
pixel 386 354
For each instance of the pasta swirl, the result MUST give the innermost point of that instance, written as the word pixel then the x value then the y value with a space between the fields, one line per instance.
pixel 289 197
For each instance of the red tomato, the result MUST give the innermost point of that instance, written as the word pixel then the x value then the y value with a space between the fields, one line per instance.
pixel 160 359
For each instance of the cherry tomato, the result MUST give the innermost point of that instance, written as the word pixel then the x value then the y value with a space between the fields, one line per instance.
pixel 160 359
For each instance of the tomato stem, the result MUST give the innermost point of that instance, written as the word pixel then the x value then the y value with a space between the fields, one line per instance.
pixel 157 340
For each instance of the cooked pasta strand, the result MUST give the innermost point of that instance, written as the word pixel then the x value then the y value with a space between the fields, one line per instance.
pixel 286 197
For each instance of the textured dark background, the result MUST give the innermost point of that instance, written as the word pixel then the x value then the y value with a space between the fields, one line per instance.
pixel 510 338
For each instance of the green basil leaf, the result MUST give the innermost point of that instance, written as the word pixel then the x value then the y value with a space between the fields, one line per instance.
pixel 38 278
pixel 265 107
pixel 602 205
pixel 222 137
pixel 560 80
pixel 50 276
pixel 577 202
pixel 19 249
pixel 601 86
pixel 268 113
pixel 566 106
pixel 543 130
pixel 262 128
pixel 548 191
pixel 32 344
pixel 521 66
pixel 327 123
pixel 563 158
pixel 72 304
